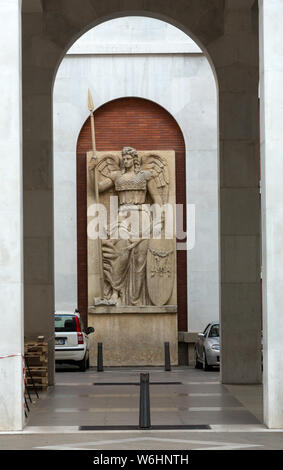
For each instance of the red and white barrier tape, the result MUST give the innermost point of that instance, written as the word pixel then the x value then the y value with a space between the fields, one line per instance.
pixel 11 355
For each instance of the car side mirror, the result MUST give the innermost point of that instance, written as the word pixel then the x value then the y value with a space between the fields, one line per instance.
pixel 201 335
pixel 90 330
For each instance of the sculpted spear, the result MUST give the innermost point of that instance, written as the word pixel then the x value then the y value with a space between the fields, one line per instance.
pixel 96 189
pixel 94 156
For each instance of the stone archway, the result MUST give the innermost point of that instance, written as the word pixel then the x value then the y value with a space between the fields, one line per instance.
pixel 152 128
pixel 228 32
pixel 218 27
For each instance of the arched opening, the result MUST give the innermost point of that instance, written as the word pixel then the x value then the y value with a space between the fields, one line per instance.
pixel 175 74
pixel 238 136
pixel 141 124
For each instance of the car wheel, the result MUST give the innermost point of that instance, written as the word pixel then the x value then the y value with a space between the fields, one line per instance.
pixel 205 364
pixel 83 364
pixel 197 363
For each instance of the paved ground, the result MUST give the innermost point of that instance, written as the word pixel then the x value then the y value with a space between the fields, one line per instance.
pixel 180 398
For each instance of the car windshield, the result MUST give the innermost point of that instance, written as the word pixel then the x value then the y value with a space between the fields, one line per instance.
pixel 205 330
pixel 214 331
pixel 65 323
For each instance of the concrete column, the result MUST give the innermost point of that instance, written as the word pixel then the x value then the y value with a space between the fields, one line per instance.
pixel 271 92
pixel 38 70
pixel 11 249
pixel 236 60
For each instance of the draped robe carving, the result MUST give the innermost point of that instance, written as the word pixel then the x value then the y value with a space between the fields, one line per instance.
pixel 137 182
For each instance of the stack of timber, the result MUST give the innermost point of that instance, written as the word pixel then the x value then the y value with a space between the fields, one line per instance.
pixel 36 359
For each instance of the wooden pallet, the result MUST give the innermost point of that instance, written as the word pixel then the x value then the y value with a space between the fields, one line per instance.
pixel 36 348
pixel 37 386
pixel 35 360
pixel 36 355
pixel 37 380
pixel 38 371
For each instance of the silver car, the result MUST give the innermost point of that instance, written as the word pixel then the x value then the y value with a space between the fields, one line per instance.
pixel 207 347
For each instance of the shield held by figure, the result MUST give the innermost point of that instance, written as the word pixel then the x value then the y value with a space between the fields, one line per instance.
pixel 160 270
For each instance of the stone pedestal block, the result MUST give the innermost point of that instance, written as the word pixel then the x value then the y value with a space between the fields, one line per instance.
pixel 132 336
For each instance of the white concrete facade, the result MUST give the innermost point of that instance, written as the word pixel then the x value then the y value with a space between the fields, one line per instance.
pixel 271 79
pixel 125 57
pixel 230 42
pixel 11 213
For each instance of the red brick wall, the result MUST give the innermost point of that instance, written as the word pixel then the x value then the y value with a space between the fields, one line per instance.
pixel 144 125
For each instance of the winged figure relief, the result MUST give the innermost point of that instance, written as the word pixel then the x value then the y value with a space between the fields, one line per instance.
pixel 138 182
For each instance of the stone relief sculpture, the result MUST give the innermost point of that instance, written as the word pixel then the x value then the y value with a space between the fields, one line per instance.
pixel 138 270
pixel 131 271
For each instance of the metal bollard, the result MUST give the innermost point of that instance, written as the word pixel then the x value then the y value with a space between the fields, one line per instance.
pixel 167 356
pixel 144 418
pixel 99 358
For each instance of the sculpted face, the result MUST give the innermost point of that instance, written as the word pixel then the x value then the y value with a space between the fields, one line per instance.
pixel 128 161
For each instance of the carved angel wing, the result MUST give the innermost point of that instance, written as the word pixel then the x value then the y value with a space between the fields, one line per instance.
pixel 158 168
pixel 106 164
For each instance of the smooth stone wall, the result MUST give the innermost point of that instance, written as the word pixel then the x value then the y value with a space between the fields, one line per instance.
pixel 236 60
pixel 11 213
pixel 271 79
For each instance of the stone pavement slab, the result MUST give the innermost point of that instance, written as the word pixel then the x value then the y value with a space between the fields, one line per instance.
pixel 109 402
